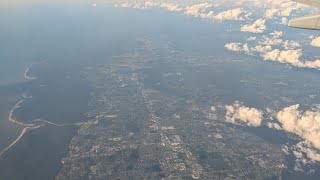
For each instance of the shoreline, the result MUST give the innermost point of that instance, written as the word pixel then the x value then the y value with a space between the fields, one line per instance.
pixel 26 73
pixel 55 124
pixel 27 127
pixel 35 124
pixel 23 132
pixel 13 120
pixel 29 67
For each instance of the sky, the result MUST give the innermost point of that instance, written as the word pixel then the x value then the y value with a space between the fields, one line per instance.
pixel 41 2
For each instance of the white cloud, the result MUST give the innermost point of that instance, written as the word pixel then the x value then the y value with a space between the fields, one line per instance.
pixel 257 27
pixel 284 21
pixel 199 10
pixel 291 119
pixel 237 47
pixel 261 48
pixel 252 38
pixel 205 10
pixel 270 13
pixel 274 48
pixel 232 14
pixel 289 44
pixel 307 126
pixel 237 113
pixel 274 39
pixel 284 56
pixel 170 7
pixel 274 126
pixel 304 124
pixel 315 42
pixel 304 150
pixel 148 4
pixel 291 57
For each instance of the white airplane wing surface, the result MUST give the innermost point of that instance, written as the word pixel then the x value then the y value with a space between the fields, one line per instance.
pixel 313 3
pixel 307 22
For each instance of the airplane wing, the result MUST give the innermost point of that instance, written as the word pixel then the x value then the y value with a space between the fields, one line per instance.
pixel 313 3
pixel 307 22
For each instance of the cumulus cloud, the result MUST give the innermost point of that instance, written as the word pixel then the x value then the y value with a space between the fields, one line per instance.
pixel 274 48
pixel 238 113
pixel 283 9
pixel 307 151
pixel 200 10
pixel 263 46
pixel 290 57
pixel 270 13
pixel 205 10
pixel 148 4
pixel 284 56
pixel 233 14
pixel 315 42
pixel 237 47
pixel 170 7
pixel 257 27
pixel 274 126
pixel 275 39
pixel 304 124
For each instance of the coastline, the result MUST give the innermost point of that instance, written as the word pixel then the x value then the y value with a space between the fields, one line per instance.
pixel 13 120
pixel 26 73
pixel 23 132
pixel 28 127
pixel 55 124
pixel 26 76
